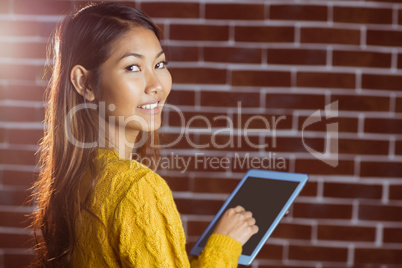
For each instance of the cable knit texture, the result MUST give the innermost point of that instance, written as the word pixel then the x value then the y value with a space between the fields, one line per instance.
pixel 137 223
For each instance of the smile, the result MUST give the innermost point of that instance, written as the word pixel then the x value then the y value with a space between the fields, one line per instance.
pixel 149 106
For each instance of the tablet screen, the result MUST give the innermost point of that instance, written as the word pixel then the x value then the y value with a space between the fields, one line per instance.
pixel 265 199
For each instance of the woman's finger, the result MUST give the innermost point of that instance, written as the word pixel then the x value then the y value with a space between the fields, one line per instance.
pixel 251 221
pixel 239 209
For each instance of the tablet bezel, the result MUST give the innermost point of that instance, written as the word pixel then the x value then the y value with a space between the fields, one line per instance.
pixel 264 174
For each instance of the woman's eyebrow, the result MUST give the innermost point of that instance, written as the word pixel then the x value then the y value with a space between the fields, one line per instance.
pixel 137 55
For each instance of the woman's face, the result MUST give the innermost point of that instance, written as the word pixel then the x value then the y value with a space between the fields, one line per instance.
pixel 135 82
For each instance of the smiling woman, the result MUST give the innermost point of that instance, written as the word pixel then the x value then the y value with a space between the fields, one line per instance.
pixel 95 207
pixel 134 85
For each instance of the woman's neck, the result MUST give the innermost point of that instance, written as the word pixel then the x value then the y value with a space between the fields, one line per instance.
pixel 117 137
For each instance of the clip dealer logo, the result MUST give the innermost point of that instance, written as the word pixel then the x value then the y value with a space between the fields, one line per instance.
pixel 330 155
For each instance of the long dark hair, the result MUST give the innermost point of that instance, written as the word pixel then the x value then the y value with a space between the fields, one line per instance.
pixel 83 38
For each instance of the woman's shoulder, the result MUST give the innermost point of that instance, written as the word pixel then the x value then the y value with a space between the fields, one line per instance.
pixel 119 177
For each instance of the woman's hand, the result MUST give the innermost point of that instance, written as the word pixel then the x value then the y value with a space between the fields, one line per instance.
pixel 237 224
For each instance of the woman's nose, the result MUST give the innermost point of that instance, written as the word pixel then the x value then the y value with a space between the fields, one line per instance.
pixel 153 85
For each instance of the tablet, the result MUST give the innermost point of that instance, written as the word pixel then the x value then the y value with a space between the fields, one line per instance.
pixel 268 195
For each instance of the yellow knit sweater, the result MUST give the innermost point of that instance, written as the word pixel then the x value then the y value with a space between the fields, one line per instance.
pixel 138 224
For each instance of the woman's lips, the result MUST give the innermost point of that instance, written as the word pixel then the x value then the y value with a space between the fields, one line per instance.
pixel 150 107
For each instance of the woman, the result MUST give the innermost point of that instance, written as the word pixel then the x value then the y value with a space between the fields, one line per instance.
pixel 96 207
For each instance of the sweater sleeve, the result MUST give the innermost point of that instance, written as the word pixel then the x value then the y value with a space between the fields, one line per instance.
pixel 149 231
pixel 220 251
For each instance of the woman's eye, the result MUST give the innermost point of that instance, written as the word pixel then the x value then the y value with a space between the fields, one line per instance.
pixel 133 68
pixel 161 65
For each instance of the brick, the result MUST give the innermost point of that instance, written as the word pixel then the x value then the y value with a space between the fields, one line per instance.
pixel 46 29
pixel 266 34
pixel 261 78
pixel 395 192
pixel 17 157
pixel 19 72
pixel 199 120
pixel 270 121
pixel 181 53
pixel 381 256
pixel 177 184
pixel 399 61
pixel 42 7
pixel 270 161
pixel 352 190
pixel 26 93
pixel 2 92
pixel 296 56
pixel 226 139
pixel 392 235
pixel 24 136
pixel 4 7
pixel 326 80
pixel 292 231
pixel 232 54
pixel 180 98
pixel 15 240
pixel 384 38
pixel 310 189
pixel 234 12
pixel 41 113
pixel 14 219
pixel 390 169
pixel 318 167
pixel 230 99
pixel 293 144
pixel 362 103
pixel 198 75
pixel 400 16
pixel 322 211
pixel 171 10
pixel 362 15
pixel 17 260
pixel 346 233
pixel 294 101
pixel 298 12
pixel 398 147
pixel 271 252
pixel 197 206
pixel 361 59
pixel 214 185
pixel 329 36
pixel 19 28
pixel 176 141
pixel 176 162
pixel 383 125
pixel 19 178
pixel 363 147
pixel 385 82
pixel 380 213
pixel 398 105
pixel 18 114
pixel 318 253
pixel 205 162
pixel 13 197
pixel 3 137
pixel 199 32
pixel 196 228
pixel 345 124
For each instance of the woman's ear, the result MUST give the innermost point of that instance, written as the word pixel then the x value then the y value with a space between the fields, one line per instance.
pixel 79 78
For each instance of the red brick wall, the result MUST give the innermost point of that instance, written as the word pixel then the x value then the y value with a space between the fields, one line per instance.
pixel 281 60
